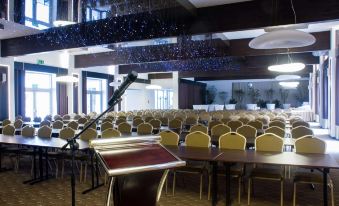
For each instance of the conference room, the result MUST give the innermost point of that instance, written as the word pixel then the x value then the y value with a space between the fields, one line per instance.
pixel 169 102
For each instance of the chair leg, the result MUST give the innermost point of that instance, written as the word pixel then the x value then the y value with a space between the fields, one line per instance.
pixel 200 186
pixel 85 175
pixel 173 185
pixel 332 194
pixel 209 187
pixel 294 193
pixel 62 169
pixel 166 185
pixel 281 192
pixel 80 176
pixel 249 191
pixel 239 190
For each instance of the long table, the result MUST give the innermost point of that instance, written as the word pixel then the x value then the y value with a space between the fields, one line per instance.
pixel 229 157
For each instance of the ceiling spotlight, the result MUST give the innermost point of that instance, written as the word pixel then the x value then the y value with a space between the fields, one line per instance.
pixel 287 77
pixel 2 27
pixel 290 67
pixel 289 85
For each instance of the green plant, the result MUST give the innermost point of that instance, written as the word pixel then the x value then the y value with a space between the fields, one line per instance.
pixel 269 94
pixel 254 94
pixel 223 96
pixel 277 103
pixel 239 95
pixel 261 103
pixel 302 94
pixel 232 101
pixel 284 95
pixel 211 92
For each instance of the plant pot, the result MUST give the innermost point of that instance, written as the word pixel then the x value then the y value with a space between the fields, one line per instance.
pixel 251 106
pixel 286 106
pixel 270 106
pixel 230 106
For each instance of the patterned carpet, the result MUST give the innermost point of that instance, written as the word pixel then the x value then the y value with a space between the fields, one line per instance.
pixel 56 192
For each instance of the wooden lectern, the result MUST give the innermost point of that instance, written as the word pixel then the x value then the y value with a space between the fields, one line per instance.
pixel 137 167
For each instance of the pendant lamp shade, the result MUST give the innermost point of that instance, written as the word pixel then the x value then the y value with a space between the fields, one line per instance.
pixel 287 77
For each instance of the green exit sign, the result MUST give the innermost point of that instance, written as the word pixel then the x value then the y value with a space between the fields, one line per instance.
pixel 40 61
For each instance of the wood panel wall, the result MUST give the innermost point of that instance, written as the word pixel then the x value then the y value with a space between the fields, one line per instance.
pixel 191 93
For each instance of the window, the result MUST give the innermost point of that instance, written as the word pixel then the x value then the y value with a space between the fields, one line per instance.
pixel 96 95
pixel 37 13
pixel 40 94
pixel 163 99
pixel 93 14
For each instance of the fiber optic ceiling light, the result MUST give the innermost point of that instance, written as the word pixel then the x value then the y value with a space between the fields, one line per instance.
pixel 153 86
pixel 289 85
pixel 287 77
pixel 290 67
pixel 67 79
pixel 285 38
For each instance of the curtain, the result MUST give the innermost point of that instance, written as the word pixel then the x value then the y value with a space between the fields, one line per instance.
pixel 337 92
pixel 62 103
pixel 19 86
pixel 325 91
pixel 84 92
pixel 191 93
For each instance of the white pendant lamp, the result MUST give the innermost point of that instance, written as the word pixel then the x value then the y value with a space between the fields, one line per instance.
pixel 289 85
pixel 286 77
pixel 153 87
pixel 67 79
pixel 289 67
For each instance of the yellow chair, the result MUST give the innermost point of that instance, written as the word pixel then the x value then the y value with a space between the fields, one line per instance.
pixel 89 134
pixel 76 117
pixel 276 130
pixel 247 131
pixel 106 120
pixel 66 117
pixel 136 122
pixel 82 120
pixel 277 123
pixel 316 146
pixel 234 125
pixel 93 126
pixel 67 133
pixel 267 143
pixel 156 124
pixel 28 131
pixel 74 125
pixel 213 123
pixel 164 121
pixel 205 117
pixel 190 120
pixel 125 128
pixel 8 130
pixel 119 121
pixel 44 132
pixel 244 120
pixel 195 139
pixel 58 124
pixel 57 118
pixel 301 131
pixel 175 125
pixel 106 125
pixel 200 128
pixel 256 124
pixel 6 122
pixel 225 120
pixel 108 133
pixel 169 138
pixel 18 124
pixel 233 141
pixel 145 129
pixel 300 123
pixel 148 118
pixel 219 130
pixel 136 117
pixel 45 122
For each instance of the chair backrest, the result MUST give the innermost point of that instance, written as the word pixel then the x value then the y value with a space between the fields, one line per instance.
pixel 234 125
pixel 213 123
pixel 164 121
pixel 232 140
pixel 125 128
pixel 191 120
pixel 57 118
pixel 18 124
pixel 197 139
pixel 300 123
pixel 295 119
pixel 244 120
pixel 225 120
pixel 93 126
pixel 175 124
pixel 219 130
pixel 269 143
pixel 169 138
pixel 276 130
pixel 204 116
pixel 118 121
pixel 6 122
pixel 148 118
pixel 156 124
pixel 45 132
pixel 45 122
pixel 77 117
pixel 247 131
pixel 74 125
pixel 89 134
pixel 200 128
pixel 277 123
pixel 106 120
pixel 108 133
pixel 66 117
pixel 82 120
pixel 106 125
pixel 301 131
pixel 48 117
pixel 136 117
pixel 8 130
pixel 66 133
pixel 256 124
pixel 58 124
pixel 144 129
pixel 136 122
pixel 309 144
pixel 28 131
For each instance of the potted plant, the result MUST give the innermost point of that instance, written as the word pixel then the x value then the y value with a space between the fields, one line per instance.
pixel 302 94
pixel 239 96
pixel 211 92
pixel 284 95
pixel 276 103
pixel 261 103
pixel 269 95
pixel 231 104
pixel 254 95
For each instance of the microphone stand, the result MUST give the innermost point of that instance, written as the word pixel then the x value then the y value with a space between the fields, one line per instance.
pixel 75 146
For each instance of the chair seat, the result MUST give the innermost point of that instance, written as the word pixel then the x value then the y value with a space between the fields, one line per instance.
pixel 266 173
pixel 308 177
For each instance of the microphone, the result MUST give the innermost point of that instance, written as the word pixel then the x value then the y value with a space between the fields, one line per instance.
pixel 131 77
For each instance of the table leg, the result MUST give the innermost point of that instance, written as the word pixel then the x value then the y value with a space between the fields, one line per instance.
pixel 46 158
pixel 228 184
pixel 214 183
pixel 2 169
pixel 97 185
pixel 110 191
pixel 325 172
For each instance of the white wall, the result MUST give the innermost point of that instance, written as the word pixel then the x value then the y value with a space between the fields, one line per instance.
pixel 9 62
pixel 56 59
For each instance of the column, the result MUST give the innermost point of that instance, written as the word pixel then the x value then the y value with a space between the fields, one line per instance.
pixel 332 84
